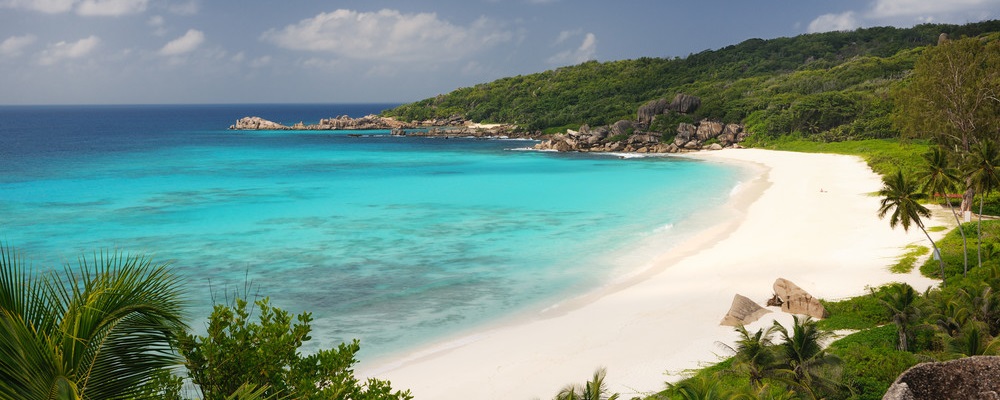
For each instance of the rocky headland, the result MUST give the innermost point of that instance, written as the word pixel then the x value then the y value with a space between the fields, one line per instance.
pixel 633 136
pixel 454 126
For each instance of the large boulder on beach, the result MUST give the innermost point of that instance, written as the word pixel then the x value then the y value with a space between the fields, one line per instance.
pixel 708 130
pixel 685 132
pixel 743 311
pixel 795 300
pixel 965 378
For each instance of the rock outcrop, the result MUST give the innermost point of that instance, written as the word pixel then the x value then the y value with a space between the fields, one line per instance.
pixel 634 136
pixel 626 136
pixel 743 311
pixel 795 300
pixel 966 378
pixel 684 104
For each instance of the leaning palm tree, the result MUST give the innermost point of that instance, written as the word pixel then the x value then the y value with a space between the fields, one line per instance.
pixel 754 354
pixel 939 177
pixel 901 197
pixel 983 173
pixel 99 331
pixel 900 300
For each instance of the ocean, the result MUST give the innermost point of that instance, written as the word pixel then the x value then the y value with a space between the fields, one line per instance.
pixel 395 241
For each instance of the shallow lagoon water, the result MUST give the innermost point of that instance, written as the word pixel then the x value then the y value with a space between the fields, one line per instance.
pixel 395 241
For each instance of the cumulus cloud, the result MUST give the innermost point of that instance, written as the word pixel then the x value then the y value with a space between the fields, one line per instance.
pixel 12 46
pixel 184 44
pixel 111 8
pixel 586 52
pixel 388 35
pixel 57 52
pixel 834 22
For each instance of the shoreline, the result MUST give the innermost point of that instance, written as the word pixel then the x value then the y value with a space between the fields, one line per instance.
pixel 804 217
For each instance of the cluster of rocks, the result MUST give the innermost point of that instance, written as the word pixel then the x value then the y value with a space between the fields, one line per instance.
pixel 454 126
pixel 635 136
pixel 965 378
pixel 790 297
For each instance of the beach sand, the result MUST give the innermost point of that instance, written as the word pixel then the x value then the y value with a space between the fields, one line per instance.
pixel 809 218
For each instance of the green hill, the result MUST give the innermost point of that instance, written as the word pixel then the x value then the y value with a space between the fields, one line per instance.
pixel 830 85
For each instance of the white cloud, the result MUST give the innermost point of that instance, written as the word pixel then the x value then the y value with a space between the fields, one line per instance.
pixel 184 44
pixel 12 46
pixel 63 50
pixel 45 6
pixel 388 35
pixel 925 8
pixel 111 8
pixel 834 22
pixel 566 35
pixel 586 52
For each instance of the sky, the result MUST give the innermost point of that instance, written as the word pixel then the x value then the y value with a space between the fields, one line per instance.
pixel 307 51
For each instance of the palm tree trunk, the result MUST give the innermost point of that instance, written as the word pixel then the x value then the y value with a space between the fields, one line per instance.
pixel 965 248
pixel 979 230
pixel 935 252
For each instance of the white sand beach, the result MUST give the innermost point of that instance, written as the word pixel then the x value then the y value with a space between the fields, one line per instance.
pixel 808 218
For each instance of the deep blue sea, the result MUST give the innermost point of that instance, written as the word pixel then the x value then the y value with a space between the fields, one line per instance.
pixel 395 241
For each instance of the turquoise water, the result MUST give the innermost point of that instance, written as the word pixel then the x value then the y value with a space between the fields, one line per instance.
pixel 395 241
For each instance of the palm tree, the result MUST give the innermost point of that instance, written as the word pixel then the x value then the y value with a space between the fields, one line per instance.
pixel 804 358
pixel 983 175
pixel 754 354
pixel 901 196
pixel 592 390
pixel 99 332
pixel 940 178
pixel 901 301
pixel 700 387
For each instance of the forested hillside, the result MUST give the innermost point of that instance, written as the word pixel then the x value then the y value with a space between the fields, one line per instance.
pixel 831 86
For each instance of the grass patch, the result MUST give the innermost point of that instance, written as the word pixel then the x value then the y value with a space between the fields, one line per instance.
pixel 906 263
pixel 884 156
pixel 937 229
pixel 862 312
pixel 951 251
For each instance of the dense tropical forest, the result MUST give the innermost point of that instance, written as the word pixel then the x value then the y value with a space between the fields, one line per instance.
pixel 832 85
pixel 113 327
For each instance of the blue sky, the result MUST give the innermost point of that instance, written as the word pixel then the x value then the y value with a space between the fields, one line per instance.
pixel 299 51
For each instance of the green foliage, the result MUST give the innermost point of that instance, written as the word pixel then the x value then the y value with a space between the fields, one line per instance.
pixel 951 94
pixel 594 389
pixel 832 86
pixel 860 312
pixel 98 331
pixel 265 354
pixel 908 260
pixel 951 251
pixel 871 362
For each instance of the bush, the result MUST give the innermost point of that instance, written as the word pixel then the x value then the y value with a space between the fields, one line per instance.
pixel 265 354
